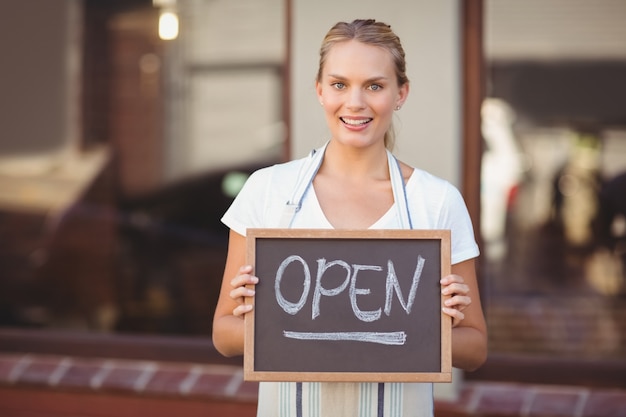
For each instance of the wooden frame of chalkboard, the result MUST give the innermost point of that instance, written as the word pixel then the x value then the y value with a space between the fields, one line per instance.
pixel 348 305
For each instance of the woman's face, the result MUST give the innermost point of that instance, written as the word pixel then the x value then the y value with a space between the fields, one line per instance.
pixel 359 92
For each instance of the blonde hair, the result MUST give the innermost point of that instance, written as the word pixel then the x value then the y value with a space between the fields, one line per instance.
pixel 370 32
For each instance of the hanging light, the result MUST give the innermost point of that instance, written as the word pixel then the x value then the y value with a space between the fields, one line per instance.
pixel 168 19
pixel 168 25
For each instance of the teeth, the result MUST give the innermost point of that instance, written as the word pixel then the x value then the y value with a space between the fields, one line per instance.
pixel 356 122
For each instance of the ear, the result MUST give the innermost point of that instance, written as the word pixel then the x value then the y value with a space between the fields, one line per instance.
pixel 318 90
pixel 403 94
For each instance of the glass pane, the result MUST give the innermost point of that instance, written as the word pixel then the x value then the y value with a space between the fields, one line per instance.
pixel 553 183
pixel 120 230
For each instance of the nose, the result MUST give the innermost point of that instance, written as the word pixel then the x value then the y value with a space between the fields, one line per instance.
pixel 355 100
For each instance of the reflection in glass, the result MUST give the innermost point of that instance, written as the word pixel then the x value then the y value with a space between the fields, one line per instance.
pixel 554 247
pixel 119 230
pixel 555 283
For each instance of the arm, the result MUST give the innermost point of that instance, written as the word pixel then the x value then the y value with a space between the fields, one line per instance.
pixel 228 322
pixel 469 330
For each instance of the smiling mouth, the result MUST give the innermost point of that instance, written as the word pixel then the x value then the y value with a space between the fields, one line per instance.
pixel 355 122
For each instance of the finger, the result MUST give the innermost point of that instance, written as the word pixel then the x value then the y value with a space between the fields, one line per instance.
pixel 457 315
pixel 245 269
pixel 455 288
pixel 244 279
pixel 242 309
pixel 241 292
pixel 459 302
pixel 451 279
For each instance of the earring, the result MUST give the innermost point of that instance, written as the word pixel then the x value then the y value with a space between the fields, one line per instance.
pixel 398 108
pixel 322 103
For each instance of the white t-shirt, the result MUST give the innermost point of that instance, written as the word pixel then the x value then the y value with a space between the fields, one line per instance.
pixel 433 204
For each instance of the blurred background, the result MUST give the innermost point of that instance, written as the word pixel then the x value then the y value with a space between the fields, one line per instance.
pixel 128 126
pixel 553 178
pixel 121 150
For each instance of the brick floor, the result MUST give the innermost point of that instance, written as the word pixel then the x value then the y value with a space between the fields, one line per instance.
pixel 224 384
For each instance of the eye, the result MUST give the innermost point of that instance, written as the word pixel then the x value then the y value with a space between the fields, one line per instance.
pixel 375 87
pixel 339 85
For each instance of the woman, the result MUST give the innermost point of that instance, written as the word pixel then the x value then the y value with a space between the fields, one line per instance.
pixel 354 182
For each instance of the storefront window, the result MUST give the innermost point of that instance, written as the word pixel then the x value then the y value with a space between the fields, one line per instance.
pixel 553 188
pixel 118 230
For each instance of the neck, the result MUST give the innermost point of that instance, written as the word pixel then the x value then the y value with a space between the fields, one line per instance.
pixel 356 163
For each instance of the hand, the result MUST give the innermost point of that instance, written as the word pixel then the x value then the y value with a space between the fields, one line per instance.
pixel 455 287
pixel 240 291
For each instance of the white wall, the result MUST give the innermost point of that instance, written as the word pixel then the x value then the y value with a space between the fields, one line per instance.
pixel 428 126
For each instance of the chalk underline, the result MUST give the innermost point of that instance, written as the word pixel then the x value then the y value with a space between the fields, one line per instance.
pixel 383 338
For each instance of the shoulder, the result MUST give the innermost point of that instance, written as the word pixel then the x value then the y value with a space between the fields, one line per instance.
pixel 272 184
pixel 434 195
pixel 261 200
pixel 436 203
pixel 424 179
pixel 416 176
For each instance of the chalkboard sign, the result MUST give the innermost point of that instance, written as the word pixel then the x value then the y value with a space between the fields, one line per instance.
pixel 337 305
